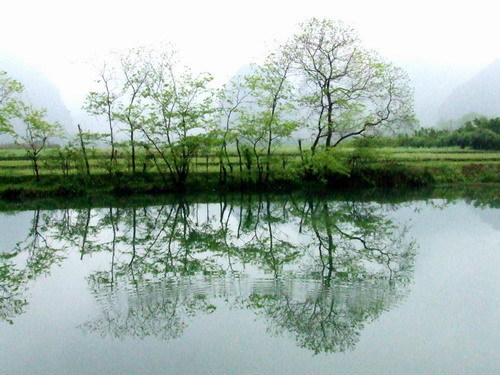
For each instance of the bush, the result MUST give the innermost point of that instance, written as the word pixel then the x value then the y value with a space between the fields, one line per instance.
pixel 324 165
pixel 479 134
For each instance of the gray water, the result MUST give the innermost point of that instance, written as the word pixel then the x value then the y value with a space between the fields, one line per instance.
pixel 252 285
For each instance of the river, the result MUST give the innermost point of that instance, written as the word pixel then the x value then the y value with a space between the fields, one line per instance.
pixel 283 284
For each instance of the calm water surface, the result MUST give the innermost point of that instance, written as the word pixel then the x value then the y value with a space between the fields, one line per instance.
pixel 252 285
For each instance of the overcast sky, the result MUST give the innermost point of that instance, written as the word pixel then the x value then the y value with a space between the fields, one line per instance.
pixel 220 36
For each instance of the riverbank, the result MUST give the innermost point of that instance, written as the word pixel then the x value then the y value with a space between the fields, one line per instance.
pixel 484 194
pixel 346 170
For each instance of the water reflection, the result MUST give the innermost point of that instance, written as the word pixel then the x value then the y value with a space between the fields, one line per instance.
pixel 31 257
pixel 324 318
pixel 314 269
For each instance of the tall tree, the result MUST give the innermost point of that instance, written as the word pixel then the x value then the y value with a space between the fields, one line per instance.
pixel 135 74
pixel 103 103
pixel 178 112
pixel 348 89
pixel 232 98
pixel 268 114
pixel 273 108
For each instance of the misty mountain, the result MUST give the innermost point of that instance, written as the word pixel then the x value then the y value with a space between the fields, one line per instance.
pixel 38 91
pixel 480 94
pixel 442 91
pixel 433 83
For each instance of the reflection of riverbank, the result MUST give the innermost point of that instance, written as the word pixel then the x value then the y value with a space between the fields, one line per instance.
pixel 482 194
pixel 338 263
pixel 241 305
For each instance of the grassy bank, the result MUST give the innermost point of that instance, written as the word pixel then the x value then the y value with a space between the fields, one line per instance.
pixel 345 168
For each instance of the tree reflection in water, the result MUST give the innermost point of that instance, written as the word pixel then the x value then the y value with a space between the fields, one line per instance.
pixel 314 269
pixel 32 257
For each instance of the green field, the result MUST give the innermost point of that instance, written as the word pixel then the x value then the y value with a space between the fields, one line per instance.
pixel 67 175
pixel 16 162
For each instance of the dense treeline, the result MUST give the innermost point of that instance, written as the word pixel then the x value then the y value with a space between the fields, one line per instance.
pixel 478 134
pixel 321 85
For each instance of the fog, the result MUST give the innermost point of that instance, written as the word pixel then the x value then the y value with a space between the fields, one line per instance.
pixel 441 44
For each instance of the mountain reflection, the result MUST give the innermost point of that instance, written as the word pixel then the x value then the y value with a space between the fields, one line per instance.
pixel 314 269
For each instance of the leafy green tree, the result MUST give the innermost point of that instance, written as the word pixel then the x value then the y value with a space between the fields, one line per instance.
pixel 348 90
pixel 269 118
pixel 9 102
pixel 103 103
pixel 480 134
pixel 179 113
pixel 130 110
pixel 267 114
pixel 232 99
pixel 37 131
pixel 84 146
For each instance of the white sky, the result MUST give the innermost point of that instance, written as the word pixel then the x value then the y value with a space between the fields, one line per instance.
pixel 220 36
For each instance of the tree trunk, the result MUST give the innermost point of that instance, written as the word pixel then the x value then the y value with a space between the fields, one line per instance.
pixel 239 158
pixel 132 144
pixel 35 167
pixel 84 151
pixel 301 152
pixel 329 136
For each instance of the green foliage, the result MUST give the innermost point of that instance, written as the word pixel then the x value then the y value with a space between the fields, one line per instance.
pixel 322 80
pixel 351 262
pixel 478 134
pixel 9 102
pixel 347 90
pixel 458 123
pixel 37 131
pixel 362 157
pixel 325 164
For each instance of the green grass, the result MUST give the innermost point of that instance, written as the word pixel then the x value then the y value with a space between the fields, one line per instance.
pixel 378 167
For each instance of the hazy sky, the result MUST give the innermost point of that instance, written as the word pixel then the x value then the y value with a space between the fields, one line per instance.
pixel 220 36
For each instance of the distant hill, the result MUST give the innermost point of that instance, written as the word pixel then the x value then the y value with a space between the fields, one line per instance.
pixel 480 94
pixel 433 82
pixel 38 90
